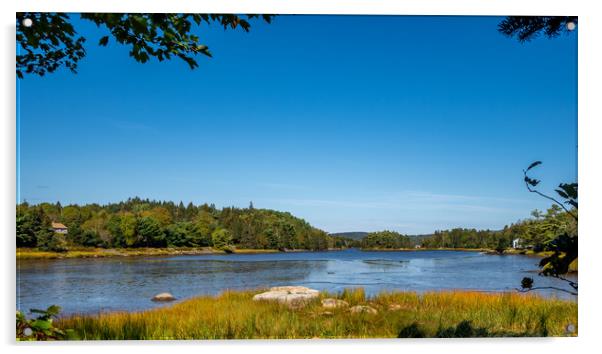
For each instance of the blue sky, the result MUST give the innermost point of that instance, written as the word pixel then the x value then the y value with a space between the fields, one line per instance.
pixel 354 123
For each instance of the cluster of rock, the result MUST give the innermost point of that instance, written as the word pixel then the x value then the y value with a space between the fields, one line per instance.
pixel 363 309
pixel 298 296
pixel 294 296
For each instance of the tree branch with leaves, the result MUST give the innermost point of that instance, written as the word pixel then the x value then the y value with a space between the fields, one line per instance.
pixel 49 41
pixel 564 247
pixel 567 191
pixel 526 28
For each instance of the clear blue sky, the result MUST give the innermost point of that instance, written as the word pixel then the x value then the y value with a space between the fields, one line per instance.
pixel 354 123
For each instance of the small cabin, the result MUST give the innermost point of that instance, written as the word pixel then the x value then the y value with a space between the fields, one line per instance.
pixel 417 246
pixel 59 228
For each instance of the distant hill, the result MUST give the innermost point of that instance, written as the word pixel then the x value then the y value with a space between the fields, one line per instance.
pixel 357 235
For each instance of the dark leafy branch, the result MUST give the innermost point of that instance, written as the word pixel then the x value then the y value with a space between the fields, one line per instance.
pixel 573 284
pixel 526 28
pixel 564 246
pixel 567 191
pixel 51 41
pixel 547 287
pixel 565 251
pixel 527 285
pixel 41 327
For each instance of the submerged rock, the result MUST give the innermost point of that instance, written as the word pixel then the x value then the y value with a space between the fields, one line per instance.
pixel 293 296
pixel 163 297
pixel 334 303
pixel 363 309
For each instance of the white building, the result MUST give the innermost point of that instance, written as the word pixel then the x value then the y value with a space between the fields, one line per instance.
pixel 516 243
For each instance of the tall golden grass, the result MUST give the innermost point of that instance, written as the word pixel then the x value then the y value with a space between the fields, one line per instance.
pixel 234 315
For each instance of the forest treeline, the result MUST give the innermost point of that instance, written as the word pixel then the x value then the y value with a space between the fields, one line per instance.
pixel 148 223
pixel 386 239
pixel 534 233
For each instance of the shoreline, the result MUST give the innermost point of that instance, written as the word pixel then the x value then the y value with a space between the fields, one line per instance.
pixel 424 249
pixel 83 252
pixel 36 254
pixel 29 253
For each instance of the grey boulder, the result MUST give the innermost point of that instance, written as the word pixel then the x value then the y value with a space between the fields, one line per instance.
pixel 163 297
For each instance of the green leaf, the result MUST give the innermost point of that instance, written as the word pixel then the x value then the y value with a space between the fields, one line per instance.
pixel 562 193
pixel 139 23
pixel 570 189
pixel 532 182
pixel 536 163
pixel 103 41
pixel 41 325
pixel 37 311
pixel 53 310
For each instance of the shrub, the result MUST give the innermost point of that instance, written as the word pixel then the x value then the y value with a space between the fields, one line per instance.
pixel 222 239
pixel 41 327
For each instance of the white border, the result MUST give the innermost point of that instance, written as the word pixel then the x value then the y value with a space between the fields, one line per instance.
pixel 420 7
pixel 590 113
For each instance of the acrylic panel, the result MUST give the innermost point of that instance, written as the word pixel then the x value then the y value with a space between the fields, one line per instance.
pixel 227 176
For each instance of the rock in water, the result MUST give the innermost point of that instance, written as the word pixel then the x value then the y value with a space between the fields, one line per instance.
pixel 363 309
pixel 334 303
pixel 293 296
pixel 163 297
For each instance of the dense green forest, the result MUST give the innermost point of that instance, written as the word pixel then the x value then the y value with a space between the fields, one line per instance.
pixel 148 223
pixel 386 239
pixel 534 233
pixel 354 235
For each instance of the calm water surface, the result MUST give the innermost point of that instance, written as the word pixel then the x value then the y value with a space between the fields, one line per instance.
pixel 108 284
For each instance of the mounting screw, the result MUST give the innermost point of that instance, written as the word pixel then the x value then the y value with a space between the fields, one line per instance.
pixel 570 26
pixel 570 328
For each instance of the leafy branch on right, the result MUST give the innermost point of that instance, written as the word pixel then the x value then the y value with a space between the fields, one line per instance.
pixel 564 246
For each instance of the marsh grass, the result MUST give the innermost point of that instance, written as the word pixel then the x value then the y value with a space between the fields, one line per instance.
pixel 233 315
pixel 87 252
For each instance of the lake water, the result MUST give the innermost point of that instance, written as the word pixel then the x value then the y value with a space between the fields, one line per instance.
pixel 128 283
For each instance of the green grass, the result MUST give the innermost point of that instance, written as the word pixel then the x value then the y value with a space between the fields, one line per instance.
pixel 233 315
pixel 527 252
